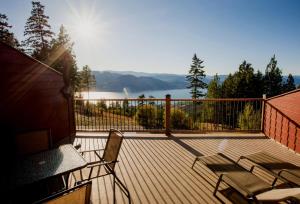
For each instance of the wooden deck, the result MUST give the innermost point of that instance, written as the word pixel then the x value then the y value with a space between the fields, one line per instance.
pixel 157 168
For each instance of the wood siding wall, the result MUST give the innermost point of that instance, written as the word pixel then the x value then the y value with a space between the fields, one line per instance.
pixel 282 119
pixel 31 96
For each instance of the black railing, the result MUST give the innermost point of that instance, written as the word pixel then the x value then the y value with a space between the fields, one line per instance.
pixel 165 115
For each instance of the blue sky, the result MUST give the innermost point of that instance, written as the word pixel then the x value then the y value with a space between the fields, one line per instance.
pixel 162 36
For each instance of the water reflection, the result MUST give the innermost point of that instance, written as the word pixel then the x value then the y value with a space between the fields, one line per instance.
pixel 176 93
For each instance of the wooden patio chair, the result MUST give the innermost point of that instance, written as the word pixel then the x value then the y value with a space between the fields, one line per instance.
pixel 107 160
pixel 33 141
pixel 79 194
pixel 285 171
pixel 244 182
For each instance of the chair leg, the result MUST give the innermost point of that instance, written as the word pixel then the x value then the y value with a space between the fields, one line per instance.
pixel 114 189
pixel 218 184
pixel 123 188
pixel 274 182
pixel 255 200
pixel 90 173
pixel 196 159
pixel 251 170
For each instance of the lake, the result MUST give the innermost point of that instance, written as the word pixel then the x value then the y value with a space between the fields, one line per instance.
pixel 175 93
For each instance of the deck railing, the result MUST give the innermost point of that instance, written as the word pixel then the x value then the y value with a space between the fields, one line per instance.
pixel 280 127
pixel 169 115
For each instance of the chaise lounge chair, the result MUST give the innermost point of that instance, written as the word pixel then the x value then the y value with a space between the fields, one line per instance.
pixel 247 184
pixel 285 171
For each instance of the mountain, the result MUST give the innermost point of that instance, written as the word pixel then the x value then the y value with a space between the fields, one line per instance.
pixel 296 79
pixel 116 81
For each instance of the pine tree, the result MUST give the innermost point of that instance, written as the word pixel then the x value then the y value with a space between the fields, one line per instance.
pixel 214 88
pixel 5 35
pixel 195 78
pixel 62 56
pixel 244 83
pixel 38 33
pixel 87 79
pixel 229 87
pixel 258 85
pixel 289 85
pixel 272 79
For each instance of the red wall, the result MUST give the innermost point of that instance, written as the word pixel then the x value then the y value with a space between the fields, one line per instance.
pixel 282 119
pixel 31 96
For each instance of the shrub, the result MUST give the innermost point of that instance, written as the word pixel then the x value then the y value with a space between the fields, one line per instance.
pixel 179 119
pixel 146 116
pixel 249 119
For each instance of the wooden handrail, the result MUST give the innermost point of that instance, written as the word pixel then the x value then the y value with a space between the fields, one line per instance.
pixel 163 99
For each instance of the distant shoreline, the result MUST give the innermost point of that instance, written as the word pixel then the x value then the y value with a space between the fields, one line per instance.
pixel 175 93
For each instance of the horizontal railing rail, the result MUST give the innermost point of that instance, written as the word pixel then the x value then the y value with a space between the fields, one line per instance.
pixel 168 115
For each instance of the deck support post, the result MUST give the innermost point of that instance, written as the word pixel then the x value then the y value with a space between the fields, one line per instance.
pixel 263 113
pixel 168 115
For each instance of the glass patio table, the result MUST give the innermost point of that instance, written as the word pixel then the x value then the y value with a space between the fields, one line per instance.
pixel 45 165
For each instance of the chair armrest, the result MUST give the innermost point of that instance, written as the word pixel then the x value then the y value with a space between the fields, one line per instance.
pixel 100 163
pixel 91 150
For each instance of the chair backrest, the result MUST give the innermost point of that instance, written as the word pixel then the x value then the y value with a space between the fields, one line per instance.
pixel 79 194
pixel 112 147
pixel 32 142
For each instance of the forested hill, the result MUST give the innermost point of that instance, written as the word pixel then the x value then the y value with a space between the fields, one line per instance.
pixel 140 81
pixel 107 81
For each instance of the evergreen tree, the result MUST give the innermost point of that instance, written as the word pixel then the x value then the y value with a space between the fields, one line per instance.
pixel 258 85
pixel 289 85
pixel 37 32
pixel 61 47
pixel 5 35
pixel 245 81
pixel 214 89
pixel 272 79
pixel 229 87
pixel 195 78
pixel 242 84
pixel 87 80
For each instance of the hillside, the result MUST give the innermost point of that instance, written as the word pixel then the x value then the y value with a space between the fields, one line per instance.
pixel 108 81
pixel 116 81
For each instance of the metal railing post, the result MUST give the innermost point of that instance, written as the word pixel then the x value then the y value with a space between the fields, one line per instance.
pixel 168 115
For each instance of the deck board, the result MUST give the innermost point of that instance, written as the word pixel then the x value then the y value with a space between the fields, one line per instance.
pixel 157 168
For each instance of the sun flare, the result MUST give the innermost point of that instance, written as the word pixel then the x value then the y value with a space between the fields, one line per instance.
pixel 86 29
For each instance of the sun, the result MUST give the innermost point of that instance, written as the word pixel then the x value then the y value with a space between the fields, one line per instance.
pixel 86 29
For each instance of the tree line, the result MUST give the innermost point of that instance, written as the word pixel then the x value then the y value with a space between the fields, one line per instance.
pixel 244 83
pixel 42 44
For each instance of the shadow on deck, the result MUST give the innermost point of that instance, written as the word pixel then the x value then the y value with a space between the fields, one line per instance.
pixel 157 168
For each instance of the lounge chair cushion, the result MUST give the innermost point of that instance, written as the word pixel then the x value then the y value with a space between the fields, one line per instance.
pixel 220 164
pixel 234 175
pixel 276 165
pixel 246 183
